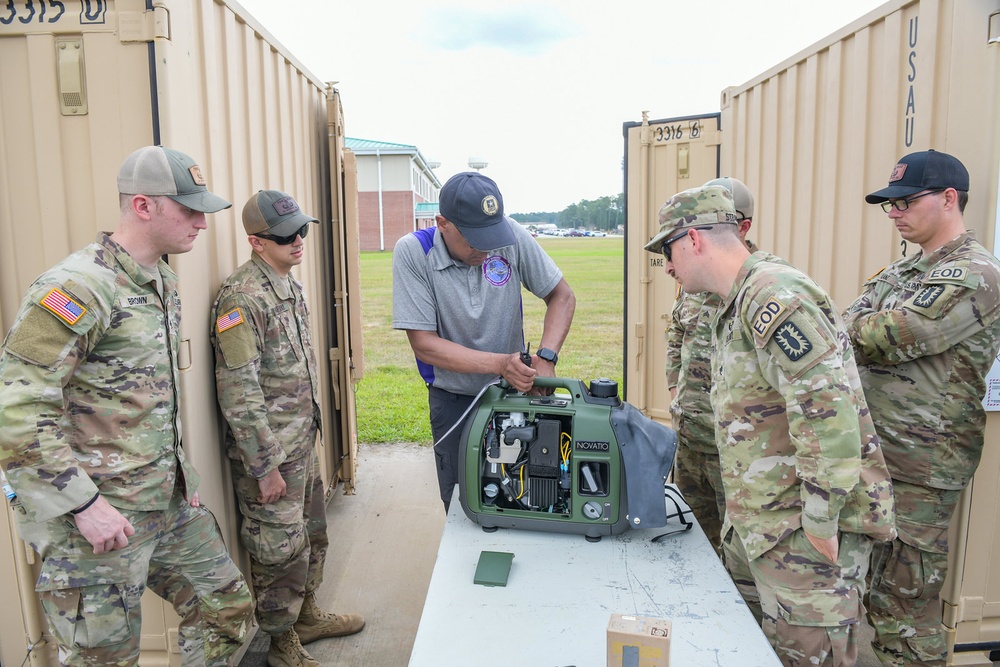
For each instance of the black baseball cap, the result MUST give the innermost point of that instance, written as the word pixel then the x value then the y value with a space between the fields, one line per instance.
pixel 472 202
pixel 925 170
pixel 273 212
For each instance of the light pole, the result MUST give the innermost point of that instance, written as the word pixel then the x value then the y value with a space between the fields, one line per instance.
pixel 477 163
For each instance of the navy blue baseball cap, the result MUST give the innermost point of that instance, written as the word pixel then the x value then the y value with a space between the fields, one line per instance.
pixel 472 202
pixel 925 170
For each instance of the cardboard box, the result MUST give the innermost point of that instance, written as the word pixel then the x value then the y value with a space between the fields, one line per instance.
pixel 638 641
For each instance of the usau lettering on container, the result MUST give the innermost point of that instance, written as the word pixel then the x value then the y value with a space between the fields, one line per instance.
pixel 911 106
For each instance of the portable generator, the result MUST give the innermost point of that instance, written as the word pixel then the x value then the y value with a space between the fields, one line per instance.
pixel 577 461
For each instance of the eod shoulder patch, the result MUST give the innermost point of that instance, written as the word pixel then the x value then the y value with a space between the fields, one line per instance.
pixel 792 341
pixel 948 274
pixel 767 317
pixel 926 297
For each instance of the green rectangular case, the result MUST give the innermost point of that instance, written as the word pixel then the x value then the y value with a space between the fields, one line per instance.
pixel 493 568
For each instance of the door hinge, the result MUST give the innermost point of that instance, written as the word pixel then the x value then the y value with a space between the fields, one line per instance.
pixel 144 26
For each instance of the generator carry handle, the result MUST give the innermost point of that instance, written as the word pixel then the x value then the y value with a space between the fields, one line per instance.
pixel 601 390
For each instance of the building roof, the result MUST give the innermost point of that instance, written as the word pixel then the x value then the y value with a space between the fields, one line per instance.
pixel 372 147
pixel 426 209
pixel 362 146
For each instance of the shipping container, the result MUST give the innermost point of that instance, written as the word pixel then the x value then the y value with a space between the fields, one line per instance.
pixel 811 137
pixel 84 83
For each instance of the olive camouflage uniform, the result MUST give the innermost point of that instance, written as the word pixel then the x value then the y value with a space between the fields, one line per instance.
pixel 266 375
pixel 90 380
pixel 798 452
pixel 925 331
pixel 689 369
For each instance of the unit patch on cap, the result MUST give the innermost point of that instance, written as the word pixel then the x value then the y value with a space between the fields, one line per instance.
pixel 63 306
pixel 792 341
pixel 490 205
pixel 285 205
pixel 231 319
pixel 196 174
pixel 897 172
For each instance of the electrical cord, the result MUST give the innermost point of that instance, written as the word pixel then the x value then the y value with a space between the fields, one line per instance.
pixel 468 409
pixel 668 492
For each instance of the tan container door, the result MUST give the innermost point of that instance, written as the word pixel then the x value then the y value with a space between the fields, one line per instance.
pixel 662 158
pixel 342 276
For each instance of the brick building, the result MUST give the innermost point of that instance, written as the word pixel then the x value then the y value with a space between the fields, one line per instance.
pixel 393 181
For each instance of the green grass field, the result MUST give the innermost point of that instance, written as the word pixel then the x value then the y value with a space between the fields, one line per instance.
pixel 391 397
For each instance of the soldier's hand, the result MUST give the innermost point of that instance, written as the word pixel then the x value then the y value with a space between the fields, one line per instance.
pixel 829 547
pixel 194 500
pixel 272 487
pixel 104 526
pixel 545 369
pixel 514 371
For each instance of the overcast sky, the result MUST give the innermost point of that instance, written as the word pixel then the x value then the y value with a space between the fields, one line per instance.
pixel 540 89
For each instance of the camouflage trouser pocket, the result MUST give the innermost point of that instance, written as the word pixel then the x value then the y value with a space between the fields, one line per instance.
pixel 816 626
pixel 272 543
pixel 908 573
pixel 88 617
pixel 818 608
pixel 929 650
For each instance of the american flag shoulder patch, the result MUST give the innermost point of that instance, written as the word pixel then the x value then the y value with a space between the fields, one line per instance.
pixel 63 306
pixel 229 320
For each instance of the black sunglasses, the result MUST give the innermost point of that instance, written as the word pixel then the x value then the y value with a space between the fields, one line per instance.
pixel 665 248
pixel 285 240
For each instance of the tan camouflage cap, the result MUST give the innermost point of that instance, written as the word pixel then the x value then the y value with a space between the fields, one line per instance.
pixel 707 205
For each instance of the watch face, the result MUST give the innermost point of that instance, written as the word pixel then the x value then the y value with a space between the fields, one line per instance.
pixel 547 355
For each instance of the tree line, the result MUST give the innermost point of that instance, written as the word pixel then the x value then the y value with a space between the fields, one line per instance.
pixel 603 214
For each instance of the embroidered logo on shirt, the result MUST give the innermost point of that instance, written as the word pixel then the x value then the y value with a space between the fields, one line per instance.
pixel 792 341
pixel 927 296
pixel 497 271
pixel 63 306
pixel 768 315
pixel 229 320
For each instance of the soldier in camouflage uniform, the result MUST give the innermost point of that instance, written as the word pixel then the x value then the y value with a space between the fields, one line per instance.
pixel 91 439
pixel 689 377
pixel 266 376
pixel 925 331
pixel 805 482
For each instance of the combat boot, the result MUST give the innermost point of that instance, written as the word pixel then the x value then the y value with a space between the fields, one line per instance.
pixel 314 623
pixel 286 651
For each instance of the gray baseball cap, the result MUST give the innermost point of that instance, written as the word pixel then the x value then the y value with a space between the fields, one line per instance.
pixel 156 170
pixel 742 199
pixel 273 212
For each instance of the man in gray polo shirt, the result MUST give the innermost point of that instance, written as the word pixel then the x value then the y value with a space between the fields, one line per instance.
pixel 457 294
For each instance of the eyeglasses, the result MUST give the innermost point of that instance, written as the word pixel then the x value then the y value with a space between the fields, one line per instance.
pixel 903 204
pixel 665 248
pixel 285 240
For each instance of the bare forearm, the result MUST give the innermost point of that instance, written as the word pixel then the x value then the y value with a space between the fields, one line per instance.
pixel 560 305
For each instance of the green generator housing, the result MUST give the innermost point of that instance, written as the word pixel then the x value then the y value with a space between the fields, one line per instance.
pixel 549 463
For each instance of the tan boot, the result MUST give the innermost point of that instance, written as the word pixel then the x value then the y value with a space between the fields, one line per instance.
pixel 314 623
pixel 286 651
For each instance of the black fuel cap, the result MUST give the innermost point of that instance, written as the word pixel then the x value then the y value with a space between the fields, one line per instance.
pixel 603 388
